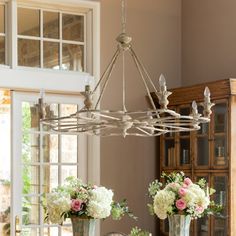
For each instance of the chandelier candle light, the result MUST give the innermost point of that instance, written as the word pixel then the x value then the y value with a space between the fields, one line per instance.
pixel 122 122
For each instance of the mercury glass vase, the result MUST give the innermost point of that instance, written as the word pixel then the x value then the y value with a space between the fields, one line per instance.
pixel 83 227
pixel 179 225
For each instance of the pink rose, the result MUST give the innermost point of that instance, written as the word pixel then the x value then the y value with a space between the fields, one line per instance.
pixel 180 204
pixel 182 192
pixel 187 181
pixel 76 204
pixel 199 209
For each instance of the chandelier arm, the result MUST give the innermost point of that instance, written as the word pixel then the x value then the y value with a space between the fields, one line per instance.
pixel 117 52
pixel 145 70
pixel 144 131
pixel 105 116
pixel 141 71
pixel 142 76
pixel 107 78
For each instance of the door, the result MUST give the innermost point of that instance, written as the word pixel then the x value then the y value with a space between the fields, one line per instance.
pixel 41 160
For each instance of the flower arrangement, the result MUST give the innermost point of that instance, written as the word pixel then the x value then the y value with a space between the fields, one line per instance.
pixel 76 199
pixel 179 195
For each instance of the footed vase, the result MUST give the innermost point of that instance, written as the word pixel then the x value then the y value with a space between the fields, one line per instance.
pixel 83 227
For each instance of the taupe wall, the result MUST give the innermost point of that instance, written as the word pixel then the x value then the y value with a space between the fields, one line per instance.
pixel 209 40
pixel 128 165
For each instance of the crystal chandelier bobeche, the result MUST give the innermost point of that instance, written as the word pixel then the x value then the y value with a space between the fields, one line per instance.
pixel 152 122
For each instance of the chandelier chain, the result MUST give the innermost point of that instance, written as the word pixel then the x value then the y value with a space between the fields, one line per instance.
pixel 123 16
pixel 123 82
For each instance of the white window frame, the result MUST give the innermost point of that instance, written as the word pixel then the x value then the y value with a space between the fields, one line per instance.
pixel 56 81
pixel 41 39
pixel 16 166
pixel 33 79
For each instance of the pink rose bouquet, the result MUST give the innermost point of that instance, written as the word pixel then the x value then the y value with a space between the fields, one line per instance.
pixel 177 194
pixel 77 199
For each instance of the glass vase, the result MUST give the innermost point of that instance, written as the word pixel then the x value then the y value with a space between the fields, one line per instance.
pixel 83 227
pixel 179 225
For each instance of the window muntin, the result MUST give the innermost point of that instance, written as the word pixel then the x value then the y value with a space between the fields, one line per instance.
pixel 2 34
pixel 59 39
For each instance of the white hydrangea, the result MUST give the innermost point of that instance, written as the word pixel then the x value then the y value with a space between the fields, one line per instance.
pixel 99 205
pixel 163 202
pixel 196 196
pixel 56 205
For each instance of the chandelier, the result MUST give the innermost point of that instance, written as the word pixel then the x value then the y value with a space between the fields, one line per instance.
pixel 123 122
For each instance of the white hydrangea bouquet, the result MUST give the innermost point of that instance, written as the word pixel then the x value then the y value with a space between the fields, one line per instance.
pixel 179 195
pixel 76 199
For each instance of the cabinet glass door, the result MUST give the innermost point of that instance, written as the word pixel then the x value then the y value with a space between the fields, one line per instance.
pixel 169 152
pixel 220 223
pixel 220 135
pixel 202 225
pixel 184 142
pixel 202 144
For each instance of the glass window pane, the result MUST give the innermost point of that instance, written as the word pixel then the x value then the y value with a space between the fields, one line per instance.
pixel 30 232
pixel 31 179
pixel 50 177
pixel 50 24
pixel 2 19
pixel 72 27
pixel 30 210
pixel 2 50
pixel 67 171
pixel 202 151
pixel 5 170
pixel 28 22
pixel 72 57
pixel 69 148
pixel 67 231
pixel 67 109
pixel 50 147
pixel 51 55
pixel 50 231
pixel 30 148
pixel 28 53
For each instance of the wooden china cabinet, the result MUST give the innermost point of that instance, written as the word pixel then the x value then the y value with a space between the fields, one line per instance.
pixel 209 152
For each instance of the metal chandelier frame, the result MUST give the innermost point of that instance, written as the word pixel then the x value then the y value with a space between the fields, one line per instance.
pixel 123 122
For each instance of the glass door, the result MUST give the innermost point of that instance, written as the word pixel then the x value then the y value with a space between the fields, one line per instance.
pixel 42 160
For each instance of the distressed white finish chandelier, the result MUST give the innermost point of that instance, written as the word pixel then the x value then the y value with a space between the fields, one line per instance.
pixel 152 122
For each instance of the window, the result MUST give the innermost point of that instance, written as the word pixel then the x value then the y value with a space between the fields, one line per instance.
pixel 51 39
pixel 2 35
